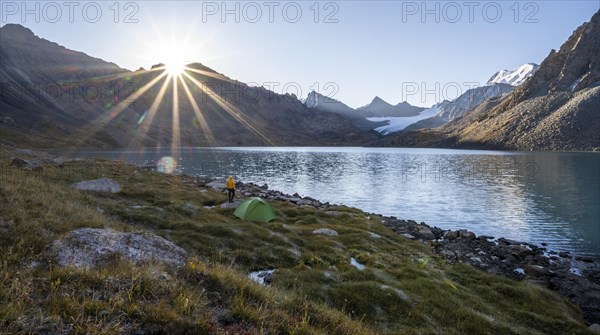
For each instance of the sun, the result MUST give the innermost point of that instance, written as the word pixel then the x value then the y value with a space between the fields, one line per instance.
pixel 175 67
pixel 175 58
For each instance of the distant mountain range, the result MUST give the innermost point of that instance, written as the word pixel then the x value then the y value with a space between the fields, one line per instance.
pixel 379 107
pixel 52 92
pixel 376 108
pixel 65 98
pixel 447 111
pixel 557 108
pixel 387 118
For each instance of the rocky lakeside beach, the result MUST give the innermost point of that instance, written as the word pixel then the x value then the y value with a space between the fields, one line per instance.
pixel 575 277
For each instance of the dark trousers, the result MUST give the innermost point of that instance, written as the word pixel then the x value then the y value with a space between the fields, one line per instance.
pixel 230 194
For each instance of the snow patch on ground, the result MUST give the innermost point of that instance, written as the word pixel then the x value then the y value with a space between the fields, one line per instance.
pixel 356 264
pixel 262 277
pixel 396 124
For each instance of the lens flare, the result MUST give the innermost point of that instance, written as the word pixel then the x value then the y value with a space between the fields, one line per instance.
pixel 166 165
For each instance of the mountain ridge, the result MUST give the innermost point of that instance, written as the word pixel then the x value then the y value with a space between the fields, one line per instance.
pixel 233 113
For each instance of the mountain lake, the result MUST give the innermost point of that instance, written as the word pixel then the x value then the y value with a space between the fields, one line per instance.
pixel 536 197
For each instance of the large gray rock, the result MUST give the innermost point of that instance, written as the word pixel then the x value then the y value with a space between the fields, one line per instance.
pixel 217 185
pixel 26 164
pixel 7 120
pixel 98 185
pixel 426 233
pixel 594 328
pixel 230 205
pixel 304 202
pixel 466 234
pixel 88 247
pixel 325 231
pixel 26 152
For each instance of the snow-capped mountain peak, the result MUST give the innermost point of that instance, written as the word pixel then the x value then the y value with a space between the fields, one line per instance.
pixel 514 77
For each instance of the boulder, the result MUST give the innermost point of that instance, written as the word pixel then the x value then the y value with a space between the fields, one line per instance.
pixel 594 328
pixel 451 235
pixel 98 185
pixel 89 247
pixel 304 202
pixel 325 231
pixel 25 164
pixel 426 233
pixel 466 234
pixel 26 152
pixel 231 205
pixel 217 185
pixel 8 121
pixel 536 270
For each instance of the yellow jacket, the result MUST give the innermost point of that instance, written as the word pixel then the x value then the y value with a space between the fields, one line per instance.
pixel 230 183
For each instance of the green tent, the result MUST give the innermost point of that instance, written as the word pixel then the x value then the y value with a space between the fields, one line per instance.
pixel 255 209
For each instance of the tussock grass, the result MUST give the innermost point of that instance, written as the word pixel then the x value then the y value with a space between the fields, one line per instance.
pixel 404 288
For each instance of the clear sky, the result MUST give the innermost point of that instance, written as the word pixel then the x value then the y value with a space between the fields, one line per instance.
pixel 422 52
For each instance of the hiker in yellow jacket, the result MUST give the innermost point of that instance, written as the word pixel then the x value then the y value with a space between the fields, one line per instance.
pixel 230 188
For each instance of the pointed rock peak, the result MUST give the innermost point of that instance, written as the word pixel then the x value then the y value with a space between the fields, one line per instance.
pixel 312 100
pixel 378 100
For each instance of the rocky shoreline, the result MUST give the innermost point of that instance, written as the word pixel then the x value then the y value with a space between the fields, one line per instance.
pixel 508 258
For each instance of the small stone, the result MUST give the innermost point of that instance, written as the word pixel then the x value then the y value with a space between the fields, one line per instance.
pixel 519 271
pixel 325 231
pixel 189 209
pixel 373 235
pixel 564 254
pixel 98 185
pixel 595 328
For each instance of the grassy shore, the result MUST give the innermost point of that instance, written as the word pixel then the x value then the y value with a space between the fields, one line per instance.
pixel 404 288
